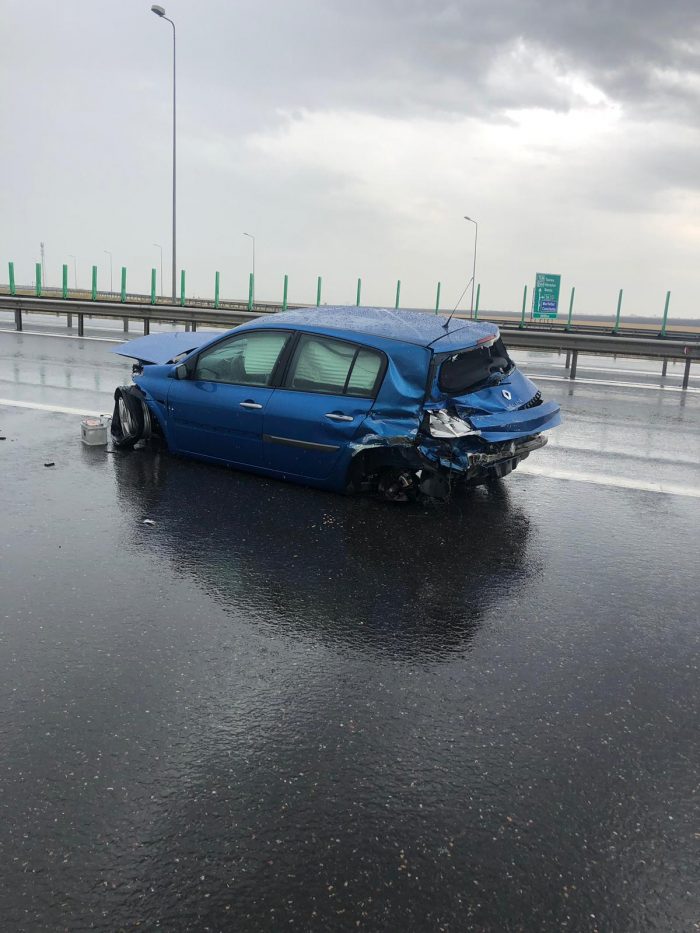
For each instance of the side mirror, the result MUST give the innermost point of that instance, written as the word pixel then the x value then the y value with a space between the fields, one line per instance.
pixel 181 371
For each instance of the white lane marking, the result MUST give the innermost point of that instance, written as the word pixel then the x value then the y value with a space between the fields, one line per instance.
pixel 647 455
pixel 603 479
pixel 57 409
pixel 599 369
pixel 623 385
pixel 39 333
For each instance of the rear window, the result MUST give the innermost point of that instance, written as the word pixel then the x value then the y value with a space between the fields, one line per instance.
pixel 470 369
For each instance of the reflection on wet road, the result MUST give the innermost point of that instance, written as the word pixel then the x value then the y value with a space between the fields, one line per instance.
pixel 278 707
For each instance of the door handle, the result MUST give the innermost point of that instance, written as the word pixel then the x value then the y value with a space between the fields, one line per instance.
pixel 335 416
pixel 250 405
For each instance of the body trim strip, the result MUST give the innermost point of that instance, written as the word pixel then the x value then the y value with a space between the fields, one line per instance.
pixel 305 445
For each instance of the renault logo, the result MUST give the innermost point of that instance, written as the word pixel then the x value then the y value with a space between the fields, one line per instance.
pixel 506 394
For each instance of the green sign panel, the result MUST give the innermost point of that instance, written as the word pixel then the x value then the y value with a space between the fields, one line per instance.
pixel 545 298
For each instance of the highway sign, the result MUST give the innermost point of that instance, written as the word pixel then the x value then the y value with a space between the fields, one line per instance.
pixel 545 297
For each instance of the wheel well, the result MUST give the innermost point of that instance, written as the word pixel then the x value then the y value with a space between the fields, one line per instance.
pixel 372 461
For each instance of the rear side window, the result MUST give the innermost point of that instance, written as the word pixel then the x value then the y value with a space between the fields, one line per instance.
pixel 470 369
pixel 246 360
pixel 365 372
pixel 322 364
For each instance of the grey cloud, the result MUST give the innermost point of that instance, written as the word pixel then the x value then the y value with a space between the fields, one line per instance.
pixel 417 56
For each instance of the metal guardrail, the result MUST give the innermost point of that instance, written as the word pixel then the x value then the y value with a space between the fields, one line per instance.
pixel 639 347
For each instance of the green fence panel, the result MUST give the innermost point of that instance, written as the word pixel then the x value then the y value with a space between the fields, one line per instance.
pixel 251 290
pixel 13 290
pixel 65 281
pixel 359 291
pixel 522 313
pixel 398 293
pixel 284 292
pixel 318 291
pixel 37 273
pixel 216 290
pixel 476 306
pixel 154 279
pixel 182 288
pixel 437 298
pixel 123 294
pixel 94 283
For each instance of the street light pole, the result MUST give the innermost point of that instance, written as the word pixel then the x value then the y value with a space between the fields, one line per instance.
pixel 110 270
pixel 161 266
pixel 160 11
pixel 476 234
pixel 75 270
pixel 253 239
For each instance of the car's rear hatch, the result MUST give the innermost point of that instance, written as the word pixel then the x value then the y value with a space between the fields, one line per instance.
pixel 485 388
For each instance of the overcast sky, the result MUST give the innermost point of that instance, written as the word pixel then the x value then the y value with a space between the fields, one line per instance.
pixel 351 136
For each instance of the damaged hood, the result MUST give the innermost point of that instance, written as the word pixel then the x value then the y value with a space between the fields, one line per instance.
pixel 163 348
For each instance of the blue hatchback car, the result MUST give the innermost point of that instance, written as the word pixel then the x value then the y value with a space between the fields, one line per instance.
pixel 399 403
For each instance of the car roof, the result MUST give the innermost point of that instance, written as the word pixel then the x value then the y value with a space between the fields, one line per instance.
pixel 417 327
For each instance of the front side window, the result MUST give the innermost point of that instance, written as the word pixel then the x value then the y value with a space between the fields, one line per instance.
pixel 248 360
pixel 322 364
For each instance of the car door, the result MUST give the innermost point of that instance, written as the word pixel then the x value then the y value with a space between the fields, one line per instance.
pixel 217 411
pixel 313 416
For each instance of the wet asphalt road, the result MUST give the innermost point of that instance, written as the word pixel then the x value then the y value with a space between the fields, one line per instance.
pixel 277 708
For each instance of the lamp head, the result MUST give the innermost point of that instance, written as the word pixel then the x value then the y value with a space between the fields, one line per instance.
pixel 158 10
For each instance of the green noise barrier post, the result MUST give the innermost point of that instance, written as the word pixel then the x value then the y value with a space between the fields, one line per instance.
pixel 663 324
pixel 571 307
pixel 617 315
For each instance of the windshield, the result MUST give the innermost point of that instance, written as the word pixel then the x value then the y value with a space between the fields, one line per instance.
pixel 465 371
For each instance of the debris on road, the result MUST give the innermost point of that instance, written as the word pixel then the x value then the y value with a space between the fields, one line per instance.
pixel 50 463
